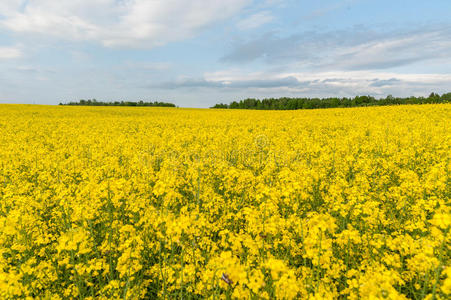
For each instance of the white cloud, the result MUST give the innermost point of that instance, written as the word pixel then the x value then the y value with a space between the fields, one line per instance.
pixel 255 20
pixel 394 51
pixel 334 76
pixel 125 23
pixel 10 52
pixel 10 6
pixel 317 84
pixel 351 49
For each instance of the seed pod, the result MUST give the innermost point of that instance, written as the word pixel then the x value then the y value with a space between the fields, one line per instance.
pixel 226 278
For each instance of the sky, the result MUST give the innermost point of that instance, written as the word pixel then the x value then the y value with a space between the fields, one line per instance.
pixel 198 53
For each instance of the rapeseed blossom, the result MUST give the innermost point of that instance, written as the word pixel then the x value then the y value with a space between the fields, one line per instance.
pixel 104 202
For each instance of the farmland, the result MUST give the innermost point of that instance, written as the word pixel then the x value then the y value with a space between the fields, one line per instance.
pixel 128 202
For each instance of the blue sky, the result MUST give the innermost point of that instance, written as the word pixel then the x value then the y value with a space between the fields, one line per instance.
pixel 197 53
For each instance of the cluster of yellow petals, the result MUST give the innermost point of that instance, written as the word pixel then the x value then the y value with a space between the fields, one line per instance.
pixel 104 202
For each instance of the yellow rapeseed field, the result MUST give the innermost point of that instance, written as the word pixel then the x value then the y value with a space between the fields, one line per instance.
pixel 104 202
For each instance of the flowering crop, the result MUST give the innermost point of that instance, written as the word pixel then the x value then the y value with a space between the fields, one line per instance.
pixel 103 202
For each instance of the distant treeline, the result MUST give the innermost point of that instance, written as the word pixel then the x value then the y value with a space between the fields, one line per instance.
pixel 312 103
pixel 94 102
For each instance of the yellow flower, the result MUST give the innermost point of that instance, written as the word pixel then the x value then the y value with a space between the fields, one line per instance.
pixel 143 203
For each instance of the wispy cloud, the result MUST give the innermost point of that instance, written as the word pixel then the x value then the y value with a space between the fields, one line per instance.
pixel 288 81
pixel 10 52
pixel 148 66
pixel 256 20
pixel 138 23
pixel 353 49
pixel 385 82
pixel 323 84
